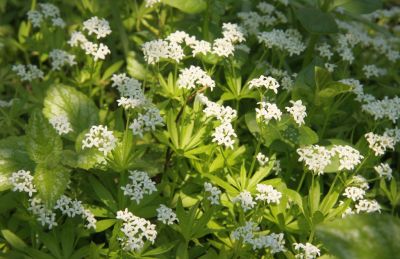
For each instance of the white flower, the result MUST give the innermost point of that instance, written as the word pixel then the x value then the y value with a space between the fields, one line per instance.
pixel 315 157
pixel 348 156
pixel 35 17
pixel 289 41
pixel 140 185
pixel 99 27
pixel 136 231
pixel 166 215
pixel 385 108
pixel 298 111
pixel 268 193
pixel 98 51
pixel 198 47
pixel 265 81
pixel 324 51
pixel 223 114
pixel 178 37
pixel 61 124
pixel 44 215
pixel 147 121
pixel 379 143
pixel 373 71
pixel 90 219
pixel 58 22
pixel 245 232
pixel 49 10
pixel 162 49
pixel 22 181
pixel 224 134
pixel 151 3
pixel 232 32
pixel 100 138
pixel 60 58
pixel 268 111
pixel 192 76
pixel 262 159
pixel 330 67
pixel 77 39
pixel 360 181
pixel 214 193
pixel 306 251
pixel 384 170
pixel 28 72
pixel 223 47
pixel 354 193
pixel 245 199
pixel 368 206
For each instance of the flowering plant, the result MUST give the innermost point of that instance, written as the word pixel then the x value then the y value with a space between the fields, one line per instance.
pixel 199 128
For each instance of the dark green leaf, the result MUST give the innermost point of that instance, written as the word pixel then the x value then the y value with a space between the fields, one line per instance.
pixel 316 21
pixel 359 6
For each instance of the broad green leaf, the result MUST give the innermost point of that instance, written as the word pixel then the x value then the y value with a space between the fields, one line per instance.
pixel 103 194
pixel 322 77
pixel 358 6
pixel 334 88
pixel 307 136
pixel 13 157
pixel 42 140
pixel 366 236
pixel 64 100
pixel 316 21
pixel 51 182
pixel 13 239
pixel 104 224
pixel 187 6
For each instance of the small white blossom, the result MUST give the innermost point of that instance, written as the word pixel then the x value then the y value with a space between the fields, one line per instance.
pixel 59 58
pixel 379 143
pixel 225 135
pixel 214 193
pixel 44 215
pixel 166 215
pixel 298 111
pixel 232 32
pixel 35 17
pixel 146 121
pixel 245 199
pixel 324 51
pixel 268 193
pixel 192 76
pixel 61 124
pixel 265 81
pixel 367 206
pixel 22 181
pixel 223 47
pixel 100 138
pixel 306 251
pixel 289 41
pixel 315 157
pixel 28 72
pixel 348 156
pixel 49 10
pixel 373 71
pixel 140 185
pixel 136 231
pixel 262 159
pixel 99 27
pixel 354 193
pixel 268 111
pixel 384 170
pixel 151 3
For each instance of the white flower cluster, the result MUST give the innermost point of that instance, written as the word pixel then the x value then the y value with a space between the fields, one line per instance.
pixel 224 134
pixel 22 181
pixel 360 181
pixel 298 111
pixel 151 3
pixel 28 72
pixel 214 193
pixel 325 51
pixel 100 28
pixel 354 193
pixel 287 81
pixel 348 156
pixel 72 208
pixel 385 108
pixel 136 231
pixel 166 215
pixel 245 199
pixel 268 193
pixel 140 185
pixel 61 124
pixel 224 47
pixel 289 41
pixel 384 170
pixel 306 251
pixel 60 58
pixel 373 71
pixel 315 157
pixel 268 111
pixel 262 159
pixel 49 11
pixel 156 50
pixel 368 206
pixel 132 95
pixel 44 215
pixel 192 76
pixel 100 138
pixel 379 143
pixel 147 121
pixel 265 81
pixel 274 242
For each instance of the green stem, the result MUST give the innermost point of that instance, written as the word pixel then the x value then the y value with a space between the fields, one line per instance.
pixel 301 181
pixel 253 163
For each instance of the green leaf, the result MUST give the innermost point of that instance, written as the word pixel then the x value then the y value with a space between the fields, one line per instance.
pixel 51 182
pixel 316 21
pixel 358 6
pixel 112 69
pixel 13 239
pixel 161 249
pixel 366 236
pixel 13 157
pixel 102 225
pixel 334 88
pixel 223 184
pixel 81 111
pixel 42 141
pixel 307 136
pixel 187 6
pixel 103 194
